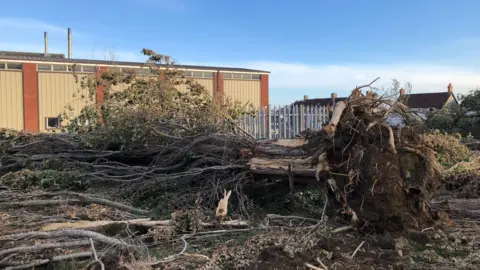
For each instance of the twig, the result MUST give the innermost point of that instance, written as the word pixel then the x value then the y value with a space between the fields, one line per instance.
pixel 357 249
pixel 95 256
pixel 175 256
pixel 196 255
pixel 271 216
pixel 54 259
pixel 321 263
pixel 324 207
pixel 313 267
pixel 366 85
pixel 427 229
pixel 342 229
pixel 44 246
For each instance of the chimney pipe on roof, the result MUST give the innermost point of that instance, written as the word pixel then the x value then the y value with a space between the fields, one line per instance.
pixel 450 88
pixel 305 97
pixel 333 96
pixel 69 43
pixel 45 40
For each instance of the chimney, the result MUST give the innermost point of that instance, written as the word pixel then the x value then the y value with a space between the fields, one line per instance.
pixel 69 43
pixel 402 92
pixel 450 88
pixel 305 97
pixel 334 96
pixel 45 40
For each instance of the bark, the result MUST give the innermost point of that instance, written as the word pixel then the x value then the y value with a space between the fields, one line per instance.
pixel 459 207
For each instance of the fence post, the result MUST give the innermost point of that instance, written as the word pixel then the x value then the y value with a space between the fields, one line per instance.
pixel 302 118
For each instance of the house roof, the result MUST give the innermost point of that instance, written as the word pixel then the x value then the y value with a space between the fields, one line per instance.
pixel 60 58
pixel 319 101
pixel 425 100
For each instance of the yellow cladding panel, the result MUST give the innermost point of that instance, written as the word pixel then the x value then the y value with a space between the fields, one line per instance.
pixel 207 83
pixel 11 100
pixel 58 91
pixel 243 91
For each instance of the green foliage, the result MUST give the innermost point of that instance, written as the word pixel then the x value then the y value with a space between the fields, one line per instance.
pixel 44 179
pixel 457 120
pixel 149 107
pixel 471 101
pixel 449 148
pixel 443 120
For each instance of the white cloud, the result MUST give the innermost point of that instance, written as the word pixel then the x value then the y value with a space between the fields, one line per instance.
pixel 423 77
pixel 290 81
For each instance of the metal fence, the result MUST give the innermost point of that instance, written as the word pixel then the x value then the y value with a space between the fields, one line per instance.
pixel 283 122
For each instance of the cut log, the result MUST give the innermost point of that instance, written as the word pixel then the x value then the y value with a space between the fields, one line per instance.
pixel 469 208
pixel 145 222
pixel 280 167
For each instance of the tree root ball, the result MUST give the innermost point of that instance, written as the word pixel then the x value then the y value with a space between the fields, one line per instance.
pixel 386 190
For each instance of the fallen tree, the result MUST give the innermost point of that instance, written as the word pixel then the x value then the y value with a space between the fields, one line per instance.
pixel 157 159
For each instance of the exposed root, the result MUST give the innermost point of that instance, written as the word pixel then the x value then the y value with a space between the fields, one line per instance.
pixel 337 114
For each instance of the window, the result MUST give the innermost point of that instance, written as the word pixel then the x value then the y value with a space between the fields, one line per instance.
pixel 53 122
pixel 187 73
pixel 13 66
pixel 241 76
pixel 88 69
pixel 3 66
pixel 60 68
pixel 208 74
pixel 246 76
pixel 44 67
pixel 197 74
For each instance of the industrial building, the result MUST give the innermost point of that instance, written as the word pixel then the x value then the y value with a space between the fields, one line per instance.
pixel 36 87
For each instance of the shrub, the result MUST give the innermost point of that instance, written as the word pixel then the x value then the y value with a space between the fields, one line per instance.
pixel 150 107
pixel 450 150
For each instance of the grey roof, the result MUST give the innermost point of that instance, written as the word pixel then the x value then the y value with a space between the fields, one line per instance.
pixel 425 100
pixel 319 101
pixel 60 58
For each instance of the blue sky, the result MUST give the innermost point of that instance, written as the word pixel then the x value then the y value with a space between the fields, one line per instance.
pixel 312 48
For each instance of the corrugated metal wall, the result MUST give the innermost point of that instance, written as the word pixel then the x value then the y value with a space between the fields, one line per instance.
pixel 11 100
pixel 56 90
pixel 207 83
pixel 243 91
